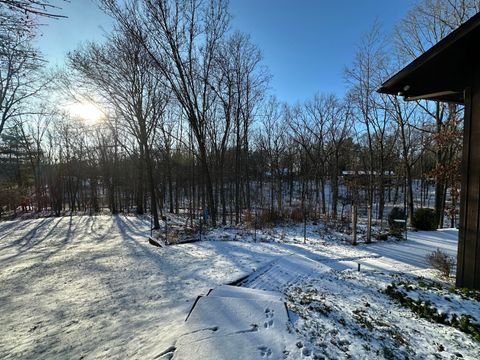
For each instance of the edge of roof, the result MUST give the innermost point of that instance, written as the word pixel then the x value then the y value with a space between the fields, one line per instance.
pixel 456 35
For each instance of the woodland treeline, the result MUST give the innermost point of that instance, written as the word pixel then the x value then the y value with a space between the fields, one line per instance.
pixel 190 121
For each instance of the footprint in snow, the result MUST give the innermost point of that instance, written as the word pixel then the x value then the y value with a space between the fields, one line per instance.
pixel 269 314
pixel 265 351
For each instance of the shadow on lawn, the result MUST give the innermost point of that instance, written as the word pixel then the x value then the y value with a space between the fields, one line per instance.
pixel 33 238
pixel 419 244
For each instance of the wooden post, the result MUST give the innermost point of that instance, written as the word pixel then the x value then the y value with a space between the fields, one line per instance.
pixel 255 225
pixel 151 225
pixel 166 230
pixel 304 226
pixel 200 229
pixel 468 257
pixel 354 224
pixel 369 225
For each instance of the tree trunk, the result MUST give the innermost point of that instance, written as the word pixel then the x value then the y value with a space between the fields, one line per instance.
pixel 151 184
pixel 208 184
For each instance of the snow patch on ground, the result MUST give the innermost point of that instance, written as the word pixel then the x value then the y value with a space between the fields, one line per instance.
pixel 92 287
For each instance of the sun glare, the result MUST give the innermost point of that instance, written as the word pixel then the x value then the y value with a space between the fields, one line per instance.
pixel 87 111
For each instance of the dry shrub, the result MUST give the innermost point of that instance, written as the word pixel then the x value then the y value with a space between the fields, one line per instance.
pixel 249 219
pixel 173 236
pixel 269 217
pixel 188 230
pixel 297 214
pixel 441 261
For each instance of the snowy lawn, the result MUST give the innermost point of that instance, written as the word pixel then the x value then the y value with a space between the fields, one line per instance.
pixel 418 244
pixel 339 312
pixel 347 315
pixel 344 313
pixel 92 287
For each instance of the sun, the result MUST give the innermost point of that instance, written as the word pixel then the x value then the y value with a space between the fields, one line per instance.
pixel 87 111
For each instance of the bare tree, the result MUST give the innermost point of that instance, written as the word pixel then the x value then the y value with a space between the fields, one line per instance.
pixel 20 18
pixel 20 77
pixel 424 25
pixel 33 131
pixel 272 141
pixel 409 120
pixel 237 76
pixel 123 73
pixel 339 123
pixel 183 39
pixel 309 126
pixel 365 75
pixel 45 8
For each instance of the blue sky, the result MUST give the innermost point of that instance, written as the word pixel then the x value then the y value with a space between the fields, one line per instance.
pixel 305 43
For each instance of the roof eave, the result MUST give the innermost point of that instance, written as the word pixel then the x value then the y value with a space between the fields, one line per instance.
pixel 395 83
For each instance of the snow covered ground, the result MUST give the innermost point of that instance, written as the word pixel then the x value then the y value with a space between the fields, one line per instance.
pixel 92 287
pixel 418 244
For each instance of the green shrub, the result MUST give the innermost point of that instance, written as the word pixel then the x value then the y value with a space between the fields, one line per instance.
pixel 427 310
pixel 424 219
pixel 382 236
pixel 396 228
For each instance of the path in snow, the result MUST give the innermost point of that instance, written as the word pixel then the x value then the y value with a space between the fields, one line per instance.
pixel 418 244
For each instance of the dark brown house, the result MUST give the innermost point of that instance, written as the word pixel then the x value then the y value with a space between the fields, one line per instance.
pixel 450 72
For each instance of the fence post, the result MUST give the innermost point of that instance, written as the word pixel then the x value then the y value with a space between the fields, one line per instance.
pixel 354 224
pixel 369 226
pixel 255 226
pixel 166 230
pixel 304 226
pixel 200 229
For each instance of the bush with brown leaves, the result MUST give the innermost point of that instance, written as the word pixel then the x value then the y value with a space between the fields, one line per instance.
pixel 441 261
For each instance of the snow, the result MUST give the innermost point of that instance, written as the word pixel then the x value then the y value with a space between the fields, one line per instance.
pixel 244 325
pixel 245 293
pixel 417 246
pixel 93 287
pixel 446 302
pixel 343 314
